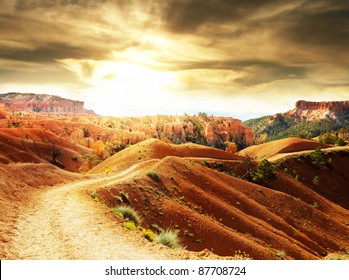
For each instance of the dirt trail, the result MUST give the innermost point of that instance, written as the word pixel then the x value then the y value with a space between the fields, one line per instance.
pixel 63 222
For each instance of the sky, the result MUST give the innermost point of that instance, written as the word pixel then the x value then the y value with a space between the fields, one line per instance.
pixel 240 58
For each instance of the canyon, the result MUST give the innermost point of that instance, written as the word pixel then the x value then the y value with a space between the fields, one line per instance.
pixel 65 171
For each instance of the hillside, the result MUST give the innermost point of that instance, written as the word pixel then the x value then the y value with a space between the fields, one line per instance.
pixel 282 146
pixel 193 189
pixel 309 119
pixel 153 149
pixel 217 200
pixel 39 146
pixel 212 209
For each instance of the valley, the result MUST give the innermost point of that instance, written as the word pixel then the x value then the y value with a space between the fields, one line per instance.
pixel 65 175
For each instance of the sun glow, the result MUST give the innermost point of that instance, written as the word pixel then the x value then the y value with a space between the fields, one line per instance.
pixel 134 78
pixel 122 85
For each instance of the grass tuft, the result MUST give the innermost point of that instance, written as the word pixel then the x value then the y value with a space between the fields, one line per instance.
pixel 169 238
pixel 281 254
pixel 129 214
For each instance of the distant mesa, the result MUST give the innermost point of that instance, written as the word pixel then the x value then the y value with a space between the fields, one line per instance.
pixel 319 110
pixel 30 102
pixel 308 119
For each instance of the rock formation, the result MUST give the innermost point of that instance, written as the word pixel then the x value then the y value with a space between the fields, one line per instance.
pixel 84 127
pixel 29 102
pixel 319 110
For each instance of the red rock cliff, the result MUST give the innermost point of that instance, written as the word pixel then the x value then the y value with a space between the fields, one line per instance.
pixel 29 102
pixel 319 110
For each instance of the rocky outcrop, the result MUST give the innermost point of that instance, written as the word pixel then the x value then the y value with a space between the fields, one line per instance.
pixel 176 130
pixel 319 110
pixel 86 129
pixel 233 130
pixel 212 131
pixel 29 102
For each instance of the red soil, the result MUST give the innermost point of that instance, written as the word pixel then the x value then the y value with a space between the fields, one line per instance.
pixel 212 210
pixel 155 149
pixel 225 214
pixel 36 146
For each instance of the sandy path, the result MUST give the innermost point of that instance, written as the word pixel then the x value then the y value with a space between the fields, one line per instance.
pixel 64 222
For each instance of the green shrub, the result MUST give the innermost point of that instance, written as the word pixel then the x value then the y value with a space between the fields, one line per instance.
pixel 92 159
pixel 316 180
pixel 318 158
pixel 327 138
pixel 129 214
pixel 340 142
pixel 152 174
pixel 263 173
pixel 169 238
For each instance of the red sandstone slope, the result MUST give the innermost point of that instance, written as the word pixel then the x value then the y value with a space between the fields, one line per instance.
pixel 223 213
pixel 153 149
pixel 36 146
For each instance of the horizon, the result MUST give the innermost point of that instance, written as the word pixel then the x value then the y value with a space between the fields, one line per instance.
pixel 243 117
pixel 229 58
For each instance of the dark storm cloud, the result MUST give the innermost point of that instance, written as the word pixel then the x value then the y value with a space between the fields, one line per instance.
pixel 250 65
pixel 39 39
pixel 255 71
pixel 259 72
pixel 267 40
pixel 23 5
pixel 188 15
pixel 326 29
pixel 268 73
pixel 48 53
